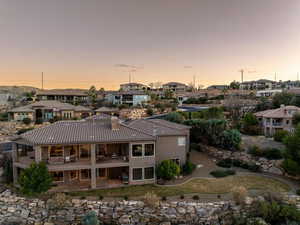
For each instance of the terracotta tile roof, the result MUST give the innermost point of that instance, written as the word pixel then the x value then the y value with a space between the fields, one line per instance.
pixel 85 131
pixel 282 112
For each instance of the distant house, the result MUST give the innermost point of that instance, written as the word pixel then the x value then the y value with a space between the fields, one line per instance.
pixel 274 120
pixel 68 96
pixel 267 93
pixel 106 110
pixel 218 87
pixel 133 87
pixel 175 87
pixel 101 152
pixel 131 98
pixel 259 85
pixel 47 110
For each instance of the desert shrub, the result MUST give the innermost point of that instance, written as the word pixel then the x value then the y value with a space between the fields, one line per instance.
pixel 149 111
pixel 239 194
pixel 35 179
pixel 4 116
pixel 225 163
pixel 27 121
pixel 100 197
pixel 58 201
pixel 90 219
pixel 222 173
pixel 280 135
pixel 255 151
pixel 188 168
pixel 164 198
pixel 175 117
pixel 126 198
pixel 272 153
pixel 151 199
pixel 298 191
pixel 181 196
pixel 291 167
pixel 167 170
pixel 196 197
pixel 230 139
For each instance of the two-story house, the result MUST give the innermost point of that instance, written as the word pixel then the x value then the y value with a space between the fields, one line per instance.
pixel 133 87
pixel 68 96
pixel 101 152
pixel 274 120
pixel 175 87
pixel 131 98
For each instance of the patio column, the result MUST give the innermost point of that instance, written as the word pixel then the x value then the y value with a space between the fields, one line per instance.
pixel 93 166
pixel 38 154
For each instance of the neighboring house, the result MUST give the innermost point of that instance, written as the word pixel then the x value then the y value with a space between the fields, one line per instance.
pixel 68 96
pixel 106 110
pixel 259 85
pixel 131 98
pixel 174 86
pixel 218 87
pixel 101 152
pixel 46 110
pixel 277 119
pixel 267 93
pixel 133 87
pixel 181 97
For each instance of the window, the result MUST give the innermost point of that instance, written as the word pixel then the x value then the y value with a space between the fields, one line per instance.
pixel 181 141
pixel 85 174
pixel 57 176
pixel 137 150
pixel 73 175
pixel 56 151
pixel 287 122
pixel 149 172
pixel 137 174
pixel 84 151
pixel 149 149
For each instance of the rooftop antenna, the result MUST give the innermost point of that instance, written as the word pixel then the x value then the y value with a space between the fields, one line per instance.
pixel 129 78
pixel 42 80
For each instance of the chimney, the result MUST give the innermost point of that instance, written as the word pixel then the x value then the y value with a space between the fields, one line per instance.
pixel 115 124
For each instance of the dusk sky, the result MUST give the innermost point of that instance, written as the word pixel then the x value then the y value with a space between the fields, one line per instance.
pixel 78 43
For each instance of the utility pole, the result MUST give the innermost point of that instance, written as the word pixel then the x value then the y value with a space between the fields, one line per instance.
pixel 42 80
pixel 242 75
pixel 129 78
pixel 194 82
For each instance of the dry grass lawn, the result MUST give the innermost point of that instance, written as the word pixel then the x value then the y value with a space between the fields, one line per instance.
pixel 199 186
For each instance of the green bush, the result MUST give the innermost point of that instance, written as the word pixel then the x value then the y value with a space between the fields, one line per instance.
pixel 255 151
pixel 225 163
pixel 195 146
pixel 167 170
pixel 298 191
pixel 149 111
pixel 230 139
pixel 273 153
pixel 222 173
pixel 188 168
pixel 90 219
pixel 291 167
pixel 175 117
pixel 4 116
pixel 27 121
pixel 280 135
pixel 196 197
pixel 35 179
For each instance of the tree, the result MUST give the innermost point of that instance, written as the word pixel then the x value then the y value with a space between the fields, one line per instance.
pixel 230 139
pixel 263 104
pixel 35 179
pixel 167 170
pixel 149 111
pixel 292 155
pixel 92 94
pixel 280 135
pixel 234 85
pixel 175 117
pixel 296 119
pixel 283 98
pixel 250 124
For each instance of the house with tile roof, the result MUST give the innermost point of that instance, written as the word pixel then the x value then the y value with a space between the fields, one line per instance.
pixel 274 120
pixel 132 86
pixel 101 151
pixel 47 110
pixel 64 95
